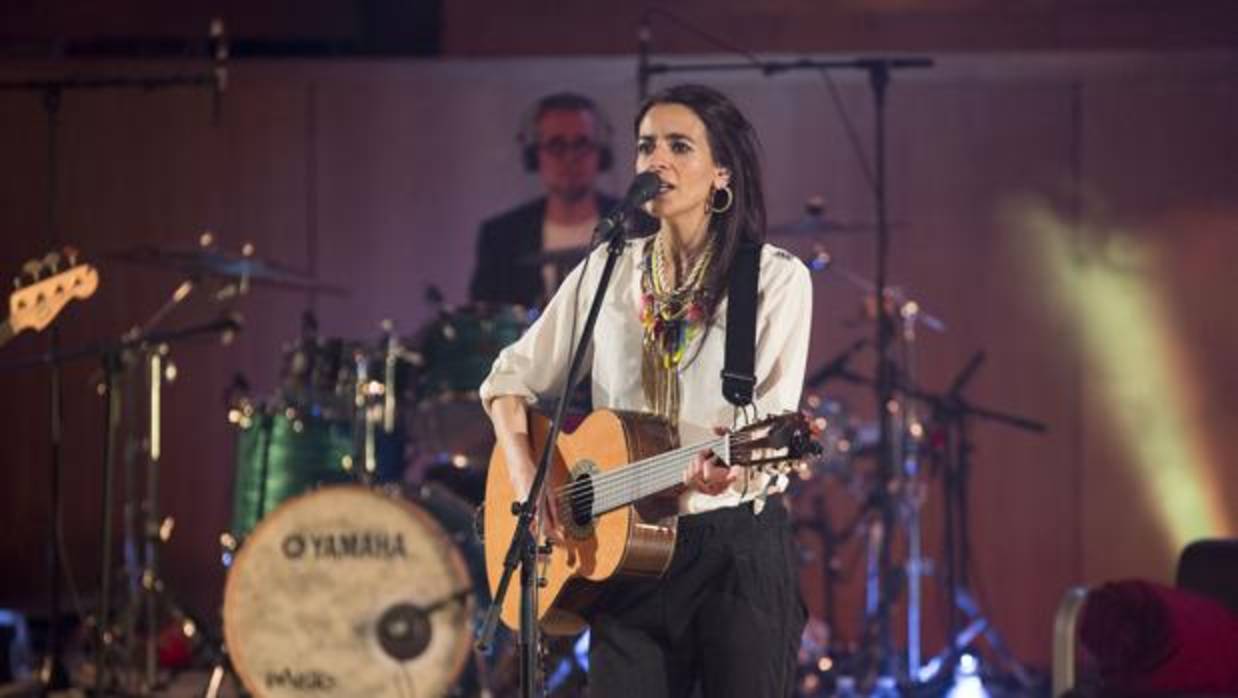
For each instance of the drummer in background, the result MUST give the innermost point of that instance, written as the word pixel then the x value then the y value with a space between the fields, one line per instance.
pixel 565 139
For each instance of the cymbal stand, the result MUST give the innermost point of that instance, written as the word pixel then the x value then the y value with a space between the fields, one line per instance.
pixel 904 492
pixel 112 354
pixel 374 405
pixel 144 529
pixel 911 432
pixel 954 414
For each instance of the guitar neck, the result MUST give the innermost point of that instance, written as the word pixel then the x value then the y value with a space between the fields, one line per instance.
pixel 650 476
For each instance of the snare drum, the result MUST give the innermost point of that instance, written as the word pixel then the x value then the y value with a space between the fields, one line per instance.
pixel 350 592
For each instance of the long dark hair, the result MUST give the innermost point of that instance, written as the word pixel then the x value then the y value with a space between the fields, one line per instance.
pixel 735 146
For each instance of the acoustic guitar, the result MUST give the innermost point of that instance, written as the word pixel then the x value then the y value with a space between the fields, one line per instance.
pixel 616 481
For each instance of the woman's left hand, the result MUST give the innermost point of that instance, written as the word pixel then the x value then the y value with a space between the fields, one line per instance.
pixel 708 474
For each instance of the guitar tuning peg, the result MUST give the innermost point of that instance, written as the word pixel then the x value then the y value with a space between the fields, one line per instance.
pixel 70 253
pixel 207 239
pixel 52 261
pixel 33 269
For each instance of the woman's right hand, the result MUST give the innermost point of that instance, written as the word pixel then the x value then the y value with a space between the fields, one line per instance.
pixel 511 429
pixel 520 472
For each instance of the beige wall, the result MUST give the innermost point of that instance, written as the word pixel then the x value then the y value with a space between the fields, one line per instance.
pixel 393 163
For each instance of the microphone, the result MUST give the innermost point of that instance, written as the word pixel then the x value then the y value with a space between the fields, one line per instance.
pixel 644 188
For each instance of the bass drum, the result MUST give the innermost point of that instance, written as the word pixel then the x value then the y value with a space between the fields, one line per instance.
pixel 348 591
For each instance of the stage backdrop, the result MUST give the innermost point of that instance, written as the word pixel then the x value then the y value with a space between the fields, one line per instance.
pixel 1071 217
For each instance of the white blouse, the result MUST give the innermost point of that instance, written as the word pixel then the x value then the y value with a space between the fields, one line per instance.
pixel 535 366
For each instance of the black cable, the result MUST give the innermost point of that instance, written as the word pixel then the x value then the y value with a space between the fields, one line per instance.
pixel 711 38
pixel 857 148
pixel 848 125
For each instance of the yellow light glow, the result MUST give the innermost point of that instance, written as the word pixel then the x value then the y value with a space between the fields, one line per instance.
pixel 1132 356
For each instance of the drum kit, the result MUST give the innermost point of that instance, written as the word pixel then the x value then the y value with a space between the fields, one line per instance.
pixel 334 560
pixel 352 537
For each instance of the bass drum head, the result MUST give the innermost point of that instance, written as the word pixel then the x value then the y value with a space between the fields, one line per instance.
pixel 348 592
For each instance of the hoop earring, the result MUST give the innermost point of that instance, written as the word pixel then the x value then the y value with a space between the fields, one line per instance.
pixel 730 199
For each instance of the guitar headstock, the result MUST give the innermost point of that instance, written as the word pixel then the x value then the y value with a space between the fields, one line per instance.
pixel 778 441
pixel 44 290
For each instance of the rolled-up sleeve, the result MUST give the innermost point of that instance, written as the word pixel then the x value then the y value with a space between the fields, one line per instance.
pixel 534 367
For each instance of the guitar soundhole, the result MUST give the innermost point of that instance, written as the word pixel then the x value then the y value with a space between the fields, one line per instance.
pixel 582 500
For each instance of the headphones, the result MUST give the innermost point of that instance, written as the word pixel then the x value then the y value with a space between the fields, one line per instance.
pixel 527 137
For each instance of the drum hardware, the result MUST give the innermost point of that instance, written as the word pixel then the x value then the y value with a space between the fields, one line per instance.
pixel 941 436
pixel 815 222
pixel 952 415
pixel 894 499
pixel 899 305
pixel 130 639
pixel 114 638
pixel 146 529
pixel 206 261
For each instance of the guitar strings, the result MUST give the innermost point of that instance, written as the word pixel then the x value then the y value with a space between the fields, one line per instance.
pixel 639 468
pixel 607 488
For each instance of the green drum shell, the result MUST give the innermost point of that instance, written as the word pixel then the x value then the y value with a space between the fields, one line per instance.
pixel 301 453
pixel 460 347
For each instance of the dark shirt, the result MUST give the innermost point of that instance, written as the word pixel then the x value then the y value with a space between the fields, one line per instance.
pixel 503 272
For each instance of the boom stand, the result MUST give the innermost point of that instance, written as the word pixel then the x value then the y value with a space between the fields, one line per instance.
pixel 523 550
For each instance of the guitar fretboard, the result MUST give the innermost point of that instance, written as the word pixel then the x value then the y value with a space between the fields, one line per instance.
pixel 644 478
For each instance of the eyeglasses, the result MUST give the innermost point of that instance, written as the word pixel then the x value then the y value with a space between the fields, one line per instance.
pixel 561 147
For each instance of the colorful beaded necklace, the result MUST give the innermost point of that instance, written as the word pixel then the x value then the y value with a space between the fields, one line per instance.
pixel 671 318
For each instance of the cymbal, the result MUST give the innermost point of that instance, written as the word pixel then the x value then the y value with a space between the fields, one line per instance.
pixel 211 262
pixel 563 257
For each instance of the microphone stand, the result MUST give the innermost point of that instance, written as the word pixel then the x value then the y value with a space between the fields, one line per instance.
pixel 523 550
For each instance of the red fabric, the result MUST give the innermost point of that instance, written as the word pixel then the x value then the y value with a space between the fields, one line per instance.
pixel 175 649
pixel 1147 638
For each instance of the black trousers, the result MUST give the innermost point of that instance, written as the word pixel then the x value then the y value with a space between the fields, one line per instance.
pixel 725 620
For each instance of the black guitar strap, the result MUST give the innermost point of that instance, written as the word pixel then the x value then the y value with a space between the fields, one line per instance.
pixel 738 373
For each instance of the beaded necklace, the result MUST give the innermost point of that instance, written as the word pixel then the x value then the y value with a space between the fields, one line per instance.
pixel 671 318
